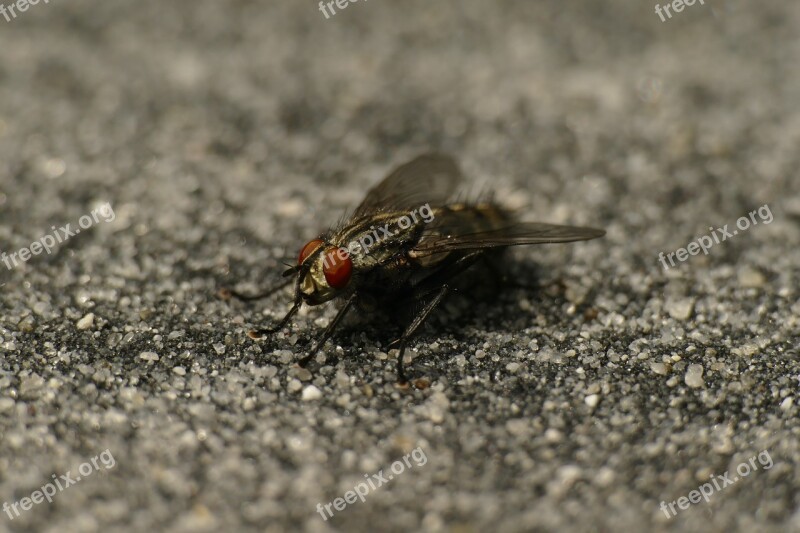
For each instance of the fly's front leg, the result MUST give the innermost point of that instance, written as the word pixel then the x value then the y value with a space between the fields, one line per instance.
pixel 329 330
pixel 413 327
pixel 227 294
pixel 258 333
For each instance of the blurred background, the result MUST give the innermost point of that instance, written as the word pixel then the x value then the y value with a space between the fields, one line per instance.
pixel 227 134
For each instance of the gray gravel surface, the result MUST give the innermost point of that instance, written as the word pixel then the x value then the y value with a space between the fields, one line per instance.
pixel 224 135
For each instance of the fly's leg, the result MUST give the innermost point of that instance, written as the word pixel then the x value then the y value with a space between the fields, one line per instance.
pixel 227 294
pixel 329 330
pixel 437 285
pixel 258 333
pixel 413 327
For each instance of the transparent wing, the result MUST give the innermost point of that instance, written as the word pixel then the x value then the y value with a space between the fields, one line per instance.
pixel 427 179
pixel 513 234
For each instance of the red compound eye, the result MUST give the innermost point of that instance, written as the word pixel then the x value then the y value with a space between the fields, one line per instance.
pixel 309 249
pixel 337 267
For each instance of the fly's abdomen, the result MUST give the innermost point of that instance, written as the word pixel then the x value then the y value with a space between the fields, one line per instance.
pixel 456 220
pixel 469 218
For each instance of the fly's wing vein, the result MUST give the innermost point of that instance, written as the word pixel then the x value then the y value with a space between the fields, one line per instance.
pixel 427 179
pixel 510 235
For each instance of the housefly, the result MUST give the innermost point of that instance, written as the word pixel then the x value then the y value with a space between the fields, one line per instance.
pixel 407 243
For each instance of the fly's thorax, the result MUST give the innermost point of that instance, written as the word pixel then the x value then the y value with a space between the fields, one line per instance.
pixel 374 240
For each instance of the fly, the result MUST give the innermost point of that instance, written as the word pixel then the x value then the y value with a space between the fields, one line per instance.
pixel 405 243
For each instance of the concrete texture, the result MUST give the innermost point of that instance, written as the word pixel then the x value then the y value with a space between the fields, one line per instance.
pixel 225 135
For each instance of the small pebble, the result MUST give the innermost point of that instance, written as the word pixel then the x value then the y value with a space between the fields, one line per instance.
pixel 311 393
pixel 148 356
pixel 694 376
pixel 303 374
pixel 6 404
pixel 85 322
pixel 659 368
pixel 553 435
pixel 751 278
pixel 680 309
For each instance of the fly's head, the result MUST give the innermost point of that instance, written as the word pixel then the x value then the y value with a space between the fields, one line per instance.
pixel 323 270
